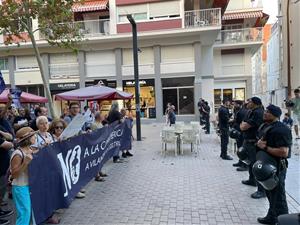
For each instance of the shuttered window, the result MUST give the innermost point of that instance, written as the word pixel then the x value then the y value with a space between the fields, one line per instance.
pixel 179 53
pixel 26 62
pixel 100 57
pixel 64 58
pixel 146 56
pixel 162 9
pixel 132 9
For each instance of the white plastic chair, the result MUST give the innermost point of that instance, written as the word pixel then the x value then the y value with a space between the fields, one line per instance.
pixel 188 137
pixel 168 137
pixel 197 128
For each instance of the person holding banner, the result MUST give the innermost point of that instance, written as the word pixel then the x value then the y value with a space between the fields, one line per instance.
pixel 56 128
pixel 115 115
pixel 19 162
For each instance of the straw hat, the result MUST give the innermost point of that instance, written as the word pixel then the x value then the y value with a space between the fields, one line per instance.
pixel 24 133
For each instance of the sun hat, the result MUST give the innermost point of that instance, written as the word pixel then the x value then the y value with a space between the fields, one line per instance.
pixel 24 133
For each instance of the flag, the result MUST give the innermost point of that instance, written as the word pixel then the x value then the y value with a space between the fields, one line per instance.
pixel 16 95
pixel 2 83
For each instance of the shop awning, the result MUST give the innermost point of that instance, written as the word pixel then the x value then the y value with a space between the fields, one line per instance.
pixel 25 97
pixel 243 15
pixel 96 92
pixel 89 6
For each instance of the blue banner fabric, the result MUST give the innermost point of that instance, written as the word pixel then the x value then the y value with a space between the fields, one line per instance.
pixel 60 170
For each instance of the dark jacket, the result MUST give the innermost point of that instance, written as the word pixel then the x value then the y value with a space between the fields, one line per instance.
pixel 224 116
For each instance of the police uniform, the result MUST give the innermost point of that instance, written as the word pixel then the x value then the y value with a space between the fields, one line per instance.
pixel 224 115
pixel 255 119
pixel 278 136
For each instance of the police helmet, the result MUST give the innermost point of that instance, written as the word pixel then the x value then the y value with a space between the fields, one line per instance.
pixel 234 133
pixel 265 174
pixel 242 153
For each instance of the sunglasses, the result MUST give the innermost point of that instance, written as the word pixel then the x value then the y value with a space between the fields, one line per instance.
pixel 59 128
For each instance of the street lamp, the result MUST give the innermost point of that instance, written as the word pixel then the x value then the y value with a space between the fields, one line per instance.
pixel 136 77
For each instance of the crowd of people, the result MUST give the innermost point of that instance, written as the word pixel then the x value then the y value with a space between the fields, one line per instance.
pixel 264 144
pixel 23 133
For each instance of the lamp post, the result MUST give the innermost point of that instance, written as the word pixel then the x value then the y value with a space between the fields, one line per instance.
pixel 136 77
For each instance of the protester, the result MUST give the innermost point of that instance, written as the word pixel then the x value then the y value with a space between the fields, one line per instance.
pixel 20 160
pixel 97 124
pixel 224 116
pixel 113 116
pixel 249 127
pixel 275 142
pixel 22 120
pixel 200 108
pixel 5 146
pixel 126 152
pixel 57 126
pixel 39 111
pixel 74 110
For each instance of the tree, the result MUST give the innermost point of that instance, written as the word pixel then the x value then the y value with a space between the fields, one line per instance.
pixel 54 24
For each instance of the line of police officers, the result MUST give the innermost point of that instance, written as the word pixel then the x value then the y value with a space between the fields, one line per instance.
pixel 263 143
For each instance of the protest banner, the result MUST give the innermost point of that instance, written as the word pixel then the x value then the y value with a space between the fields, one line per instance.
pixel 60 170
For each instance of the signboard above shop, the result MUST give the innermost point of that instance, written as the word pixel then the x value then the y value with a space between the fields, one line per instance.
pixel 64 86
pixel 143 83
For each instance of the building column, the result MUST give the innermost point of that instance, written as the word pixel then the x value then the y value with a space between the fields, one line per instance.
pixel 207 74
pixel 198 79
pixel 248 88
pixel 158 87
pixel 11 68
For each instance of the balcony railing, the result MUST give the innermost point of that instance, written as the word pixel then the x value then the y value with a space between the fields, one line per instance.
pixel 240 36
pixel 64 70
pixel 93 27
pixel 202 18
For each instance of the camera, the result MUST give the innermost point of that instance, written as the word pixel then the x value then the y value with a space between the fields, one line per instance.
pixel 289 103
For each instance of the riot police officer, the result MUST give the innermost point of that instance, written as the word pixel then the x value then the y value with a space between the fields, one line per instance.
pixel 224 116
pixel 240 112
pixel 275 143
pixel 249 128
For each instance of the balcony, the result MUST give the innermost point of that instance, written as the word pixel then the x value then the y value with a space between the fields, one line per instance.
pixel 64 70
pixel 240 36
pixel 93 28
pixel 202 18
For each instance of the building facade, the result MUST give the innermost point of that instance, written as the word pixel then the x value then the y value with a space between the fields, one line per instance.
pixel 187 50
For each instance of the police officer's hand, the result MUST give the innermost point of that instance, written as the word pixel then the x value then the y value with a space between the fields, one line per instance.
pixel 262 144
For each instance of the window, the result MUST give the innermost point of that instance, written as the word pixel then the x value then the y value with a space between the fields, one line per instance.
pixel 217 96
pixel 138 12
pixel 136 16
pixel 146 56
pixel 164 9
pixel 180 93
pixel 227 94
pixel 26 62
pixel 3 64
pixel 240 94
pixel 178 53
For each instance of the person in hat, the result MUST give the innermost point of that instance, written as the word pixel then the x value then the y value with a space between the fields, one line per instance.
pixel 19 162
pixel 249 127
pixel 276 142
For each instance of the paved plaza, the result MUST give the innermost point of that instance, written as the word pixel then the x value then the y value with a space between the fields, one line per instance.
pixel 194 188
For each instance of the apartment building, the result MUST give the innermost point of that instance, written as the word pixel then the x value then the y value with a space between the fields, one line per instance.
pixel 187 49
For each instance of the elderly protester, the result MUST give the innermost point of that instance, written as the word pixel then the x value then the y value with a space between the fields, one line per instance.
pixel 56 128
pixel 44 138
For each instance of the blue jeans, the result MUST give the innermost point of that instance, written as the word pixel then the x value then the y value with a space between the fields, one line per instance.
pixel 21 197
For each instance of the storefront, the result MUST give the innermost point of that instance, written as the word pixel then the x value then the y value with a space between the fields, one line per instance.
pixel 147 97
pixel 61 106
pixel 180 93
pixel 103 106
